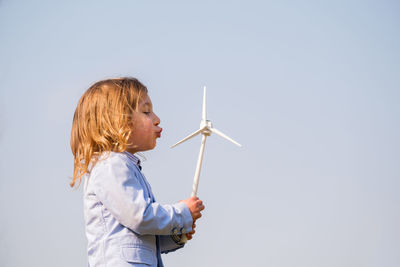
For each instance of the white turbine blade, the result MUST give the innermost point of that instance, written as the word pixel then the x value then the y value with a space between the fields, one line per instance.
pixel 187 137
pixel 198 167
pixel 204 115
pixel 224 136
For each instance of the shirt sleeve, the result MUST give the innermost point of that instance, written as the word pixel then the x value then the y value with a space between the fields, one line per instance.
pixel 121 189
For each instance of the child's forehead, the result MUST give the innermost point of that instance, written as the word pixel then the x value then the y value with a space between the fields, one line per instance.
pixel 145 101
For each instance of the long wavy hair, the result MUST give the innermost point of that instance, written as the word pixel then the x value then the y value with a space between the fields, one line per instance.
pixel 103 121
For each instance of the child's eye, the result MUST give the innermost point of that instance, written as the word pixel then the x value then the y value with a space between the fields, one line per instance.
pixel 146 112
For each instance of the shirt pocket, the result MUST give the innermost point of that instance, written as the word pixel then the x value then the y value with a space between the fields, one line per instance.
pixel 138 254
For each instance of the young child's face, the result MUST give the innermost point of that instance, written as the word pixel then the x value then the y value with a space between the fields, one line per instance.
pixel 145 128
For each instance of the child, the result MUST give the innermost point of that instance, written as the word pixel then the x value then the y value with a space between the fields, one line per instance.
pixel 114 120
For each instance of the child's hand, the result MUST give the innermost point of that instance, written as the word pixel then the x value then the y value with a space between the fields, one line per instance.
pixel 195 206
pixel 191 233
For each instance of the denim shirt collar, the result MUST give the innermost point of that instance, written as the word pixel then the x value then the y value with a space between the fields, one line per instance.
pixel 133 158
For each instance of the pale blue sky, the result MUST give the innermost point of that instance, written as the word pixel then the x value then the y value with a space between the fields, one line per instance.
pixel 311 89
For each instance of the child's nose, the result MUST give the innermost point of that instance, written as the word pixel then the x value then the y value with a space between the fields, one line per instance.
pixel 157 120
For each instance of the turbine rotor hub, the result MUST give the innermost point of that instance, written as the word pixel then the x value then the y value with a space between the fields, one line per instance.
pixel 206 126
pixel 206 123
pixel 206 132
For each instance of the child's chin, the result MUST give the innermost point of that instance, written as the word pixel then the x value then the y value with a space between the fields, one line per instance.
pixel 154 145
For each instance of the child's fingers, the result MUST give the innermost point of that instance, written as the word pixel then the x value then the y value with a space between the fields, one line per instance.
pixel 196 215
pixel 195 206
pixel 190 234
pixel 199 204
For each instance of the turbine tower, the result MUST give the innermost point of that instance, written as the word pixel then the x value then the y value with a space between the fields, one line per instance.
pixel 206 129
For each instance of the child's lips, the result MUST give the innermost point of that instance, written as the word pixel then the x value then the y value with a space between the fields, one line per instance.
pixel 159 133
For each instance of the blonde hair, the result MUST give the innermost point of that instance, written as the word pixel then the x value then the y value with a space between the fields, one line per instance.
pixel 102 121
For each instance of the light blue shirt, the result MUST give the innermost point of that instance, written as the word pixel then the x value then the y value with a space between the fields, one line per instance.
pixel 124 224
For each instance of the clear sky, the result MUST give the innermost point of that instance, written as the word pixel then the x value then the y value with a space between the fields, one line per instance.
pixel 310 88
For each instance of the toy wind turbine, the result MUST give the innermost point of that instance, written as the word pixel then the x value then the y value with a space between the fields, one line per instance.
pixel 206 129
